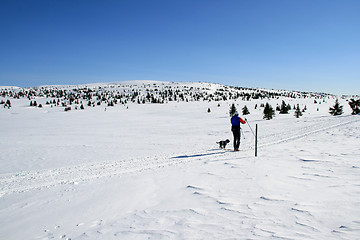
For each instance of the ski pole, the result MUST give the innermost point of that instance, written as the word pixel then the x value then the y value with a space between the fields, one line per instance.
pixel 250 127
pixel 242 133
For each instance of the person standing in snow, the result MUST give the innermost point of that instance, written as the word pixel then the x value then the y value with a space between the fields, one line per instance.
pixel 235 128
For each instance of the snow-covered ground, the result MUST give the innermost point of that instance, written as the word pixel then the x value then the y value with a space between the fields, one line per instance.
pixel 154 171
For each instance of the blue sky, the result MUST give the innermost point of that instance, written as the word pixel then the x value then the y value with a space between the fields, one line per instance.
pixel 307 45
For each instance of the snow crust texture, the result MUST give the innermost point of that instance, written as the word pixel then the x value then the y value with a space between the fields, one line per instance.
pixel 154 171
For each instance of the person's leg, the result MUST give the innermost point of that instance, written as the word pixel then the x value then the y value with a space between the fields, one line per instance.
pixel 236 133
pixel 238 144
pixel 237 141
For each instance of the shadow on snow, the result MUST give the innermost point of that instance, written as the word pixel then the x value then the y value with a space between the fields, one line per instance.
pixel 198 155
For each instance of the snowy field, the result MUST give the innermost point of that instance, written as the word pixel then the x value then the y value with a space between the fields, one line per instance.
pixel 154 171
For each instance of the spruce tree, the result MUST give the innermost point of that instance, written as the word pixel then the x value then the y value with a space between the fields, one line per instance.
pixel 289 107
pixel 232 110
pixel 355 106
pixel 7 104
pixel 298 112
pixel 284 108
pixel 245 110
pixel 269 112
pixel 336 109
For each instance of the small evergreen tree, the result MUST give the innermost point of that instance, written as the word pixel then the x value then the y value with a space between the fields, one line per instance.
pixel 284 109
pixel 245 110
pixel 289 107
pixel 355 106
pixel 7 104
pixel 298 112
pixel 232 110
pixel 209 110
pixel 336 109
pixel 269 112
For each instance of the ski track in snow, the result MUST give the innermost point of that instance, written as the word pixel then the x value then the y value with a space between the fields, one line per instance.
pixel 30 180
pixel 289 133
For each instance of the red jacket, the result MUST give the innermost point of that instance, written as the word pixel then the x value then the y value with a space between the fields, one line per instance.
pixel 236 120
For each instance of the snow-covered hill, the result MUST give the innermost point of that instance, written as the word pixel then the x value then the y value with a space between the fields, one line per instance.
pixel 136 170
pixel 142 92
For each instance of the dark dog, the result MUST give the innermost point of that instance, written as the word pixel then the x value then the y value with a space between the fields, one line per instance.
pixel 223 143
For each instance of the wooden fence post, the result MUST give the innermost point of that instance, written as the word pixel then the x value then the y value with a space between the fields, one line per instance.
pixel 256 133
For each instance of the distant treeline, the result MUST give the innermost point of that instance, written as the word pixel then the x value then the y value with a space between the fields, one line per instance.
pixel 112 94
